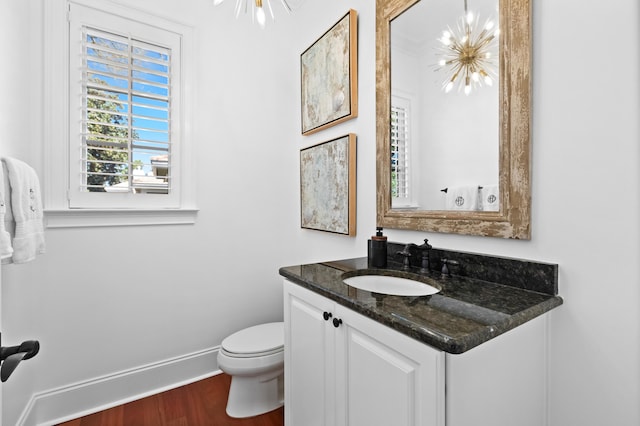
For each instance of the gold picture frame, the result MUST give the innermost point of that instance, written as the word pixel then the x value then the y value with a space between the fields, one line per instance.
pixel 328 186
pixel 329 76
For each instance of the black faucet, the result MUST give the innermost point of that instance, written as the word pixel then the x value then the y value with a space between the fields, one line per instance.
pixel 406 253
pixel 410 250
pixel 445 269
pixel 425 250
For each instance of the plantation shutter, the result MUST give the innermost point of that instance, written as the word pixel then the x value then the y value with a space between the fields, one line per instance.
pixel 400 152
pixel 126 136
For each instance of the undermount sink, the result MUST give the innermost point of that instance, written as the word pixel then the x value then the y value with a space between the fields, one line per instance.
pixel 391 285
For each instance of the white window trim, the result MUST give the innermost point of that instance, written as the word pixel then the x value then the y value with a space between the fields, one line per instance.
pixel 92 21
pixel 57 132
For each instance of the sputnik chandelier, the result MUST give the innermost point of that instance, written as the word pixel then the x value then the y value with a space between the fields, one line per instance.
pixel 257 9
pixel 467 53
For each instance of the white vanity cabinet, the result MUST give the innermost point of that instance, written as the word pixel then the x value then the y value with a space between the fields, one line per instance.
pixel 342 368
pixel 363 373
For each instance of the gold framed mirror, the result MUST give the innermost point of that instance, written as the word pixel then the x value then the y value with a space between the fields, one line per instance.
pixel 511 216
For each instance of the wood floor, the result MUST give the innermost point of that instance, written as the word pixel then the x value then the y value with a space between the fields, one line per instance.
pixel 198 404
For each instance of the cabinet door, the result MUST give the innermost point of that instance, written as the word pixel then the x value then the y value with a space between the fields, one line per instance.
pixel 386 378
pixel 309 358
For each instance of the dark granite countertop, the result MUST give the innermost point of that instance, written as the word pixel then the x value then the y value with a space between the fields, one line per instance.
pixel 465 313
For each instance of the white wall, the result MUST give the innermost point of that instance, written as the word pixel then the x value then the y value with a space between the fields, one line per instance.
pixel 190 286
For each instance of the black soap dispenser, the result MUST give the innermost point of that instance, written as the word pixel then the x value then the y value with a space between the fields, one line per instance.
pixel 378 250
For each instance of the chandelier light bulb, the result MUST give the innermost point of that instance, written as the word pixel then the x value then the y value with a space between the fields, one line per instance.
pixel 469 17
pixel 467 82
pixel 488 25
pixel 448 87
pixel 446 38
pixel 488 80
pixel 260 16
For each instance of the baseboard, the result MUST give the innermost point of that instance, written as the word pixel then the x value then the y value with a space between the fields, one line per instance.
pixel 80 399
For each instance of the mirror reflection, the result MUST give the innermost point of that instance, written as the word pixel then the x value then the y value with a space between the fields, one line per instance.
pixel 431 133
pixel 445 110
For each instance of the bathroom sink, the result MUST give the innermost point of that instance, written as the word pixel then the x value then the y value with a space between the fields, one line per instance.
pixel 391 285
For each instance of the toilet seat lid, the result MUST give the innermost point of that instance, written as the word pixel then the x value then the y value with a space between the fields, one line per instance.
pixel 256 340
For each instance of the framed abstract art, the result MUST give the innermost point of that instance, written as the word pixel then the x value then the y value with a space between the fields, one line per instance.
pixel 328 186
pixel 329 76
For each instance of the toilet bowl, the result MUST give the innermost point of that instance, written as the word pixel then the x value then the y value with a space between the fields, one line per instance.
pixel 254 358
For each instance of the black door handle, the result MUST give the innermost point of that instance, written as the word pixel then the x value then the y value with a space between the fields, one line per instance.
pixel 337 322
pixel 326 315
pixel 10 356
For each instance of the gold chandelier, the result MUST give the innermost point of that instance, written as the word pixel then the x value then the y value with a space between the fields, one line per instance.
pixel 257 9
pixel 467 53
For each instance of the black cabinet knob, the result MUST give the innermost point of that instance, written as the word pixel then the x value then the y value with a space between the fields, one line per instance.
pixel 326 315
pixel 337 322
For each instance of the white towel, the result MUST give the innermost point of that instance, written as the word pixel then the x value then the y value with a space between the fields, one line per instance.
pixel 490 198
pixel 462 198
pixel 26 207
pixel 6 218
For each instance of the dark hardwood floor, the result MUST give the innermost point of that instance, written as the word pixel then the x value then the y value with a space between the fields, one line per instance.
pixel 198 404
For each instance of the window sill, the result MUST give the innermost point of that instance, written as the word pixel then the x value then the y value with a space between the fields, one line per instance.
pixel 81 218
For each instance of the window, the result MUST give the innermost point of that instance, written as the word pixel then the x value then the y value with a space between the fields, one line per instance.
pixel 400 154
pixel 122 79
pixel 124 110
pixel 126 100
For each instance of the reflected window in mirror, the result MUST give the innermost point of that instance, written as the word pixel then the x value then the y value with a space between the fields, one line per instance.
pixel 401 153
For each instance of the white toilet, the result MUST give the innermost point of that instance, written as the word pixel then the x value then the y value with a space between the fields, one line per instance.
pixel 254 358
